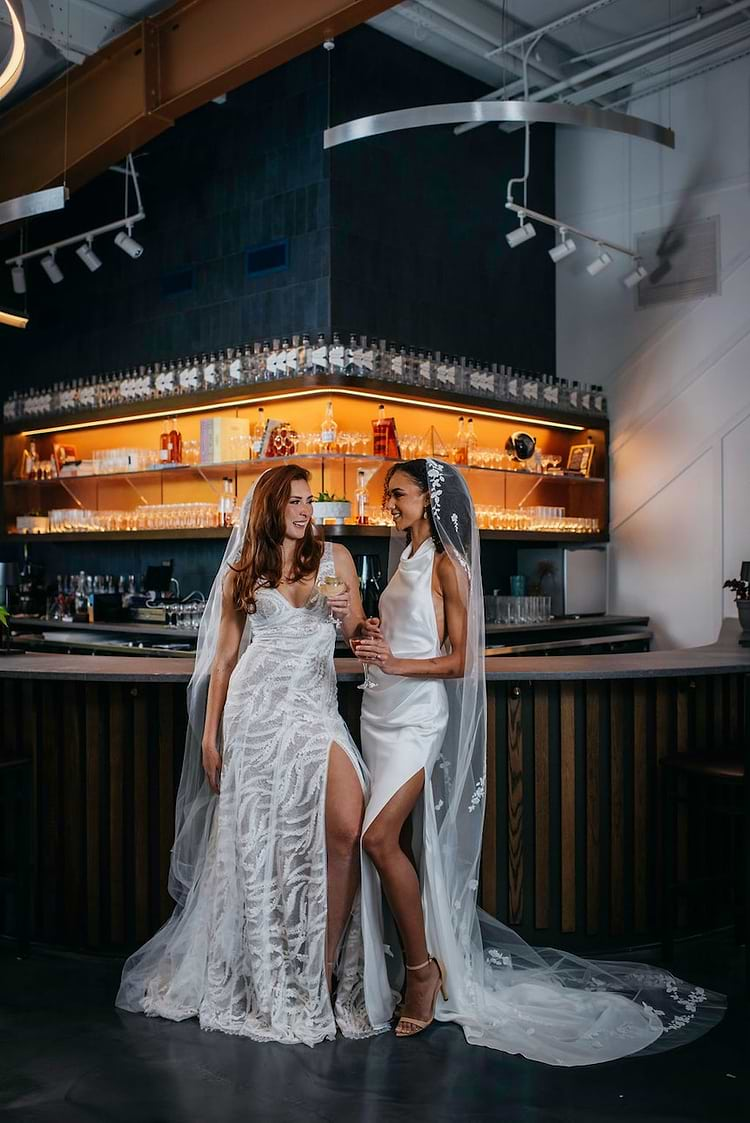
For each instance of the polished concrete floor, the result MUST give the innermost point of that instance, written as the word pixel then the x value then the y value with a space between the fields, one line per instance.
pixel 67 1056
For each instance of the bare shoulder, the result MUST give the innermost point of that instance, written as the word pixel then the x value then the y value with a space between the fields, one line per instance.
pixel 343 561
pixel 448 576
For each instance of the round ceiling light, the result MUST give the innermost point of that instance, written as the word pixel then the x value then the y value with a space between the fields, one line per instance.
pixel 11 67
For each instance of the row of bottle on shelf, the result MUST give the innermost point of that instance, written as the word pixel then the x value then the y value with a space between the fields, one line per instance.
pixel 236 439
pixel 298 356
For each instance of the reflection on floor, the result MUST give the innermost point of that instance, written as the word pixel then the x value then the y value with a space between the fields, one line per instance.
pixel 67 1056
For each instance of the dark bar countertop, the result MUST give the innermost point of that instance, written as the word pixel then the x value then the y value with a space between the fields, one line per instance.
pixel 725 656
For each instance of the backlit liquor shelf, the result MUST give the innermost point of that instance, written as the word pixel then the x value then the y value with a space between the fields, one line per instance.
pixel 179 470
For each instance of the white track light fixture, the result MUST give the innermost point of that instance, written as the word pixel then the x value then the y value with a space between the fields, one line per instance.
pixel 127 244
pixel 524 232
pixel 18 276
pixel 564 248
pixel 83 242
pixel 88 257
pixel 51 268
pixel 639 274
pixel 601 262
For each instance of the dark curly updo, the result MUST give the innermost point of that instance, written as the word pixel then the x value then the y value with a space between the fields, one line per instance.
pixel 417 469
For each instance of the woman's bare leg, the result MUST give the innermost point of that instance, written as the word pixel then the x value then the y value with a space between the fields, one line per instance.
pixel 383 844
pixel 344 812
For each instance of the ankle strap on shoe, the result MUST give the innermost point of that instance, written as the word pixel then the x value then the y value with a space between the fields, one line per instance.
pixel 419 966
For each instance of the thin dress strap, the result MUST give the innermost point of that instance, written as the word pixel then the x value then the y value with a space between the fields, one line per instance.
pixel 326 567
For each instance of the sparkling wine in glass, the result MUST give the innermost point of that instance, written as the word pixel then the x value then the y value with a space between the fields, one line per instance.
pixel 332 586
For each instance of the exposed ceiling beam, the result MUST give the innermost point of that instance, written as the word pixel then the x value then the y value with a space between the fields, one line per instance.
pixel 136 86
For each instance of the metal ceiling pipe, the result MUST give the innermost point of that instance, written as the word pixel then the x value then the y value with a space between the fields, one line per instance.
pixel 562 21
pixel 473 17
pixel 636 52
pixel 684 74
pixel 418 15
pixel 661 64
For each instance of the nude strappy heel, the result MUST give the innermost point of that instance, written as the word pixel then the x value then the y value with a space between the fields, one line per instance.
pixel 409 1027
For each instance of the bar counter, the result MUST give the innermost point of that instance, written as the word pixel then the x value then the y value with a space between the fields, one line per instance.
pixel 571 851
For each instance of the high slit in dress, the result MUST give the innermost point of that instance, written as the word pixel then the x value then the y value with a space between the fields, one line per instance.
pixel 246 953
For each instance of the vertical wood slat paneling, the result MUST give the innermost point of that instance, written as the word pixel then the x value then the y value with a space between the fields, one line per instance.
pixel 541 806
pixel 515 806
pixel 73 815
pixel 30 732
pixel 116 702
pixel 93 824
pixel 489 837
pixel 140 813
pixel 640 807
pixel 593 750
pixel 166 701
pixel 567 807
pixel 49 873
pixel 617 820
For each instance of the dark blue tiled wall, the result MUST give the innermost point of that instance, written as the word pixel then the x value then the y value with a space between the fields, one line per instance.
pixel 418 219
pixel 222 180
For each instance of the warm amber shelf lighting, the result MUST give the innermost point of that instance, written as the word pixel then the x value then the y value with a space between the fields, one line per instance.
pixel 327 392
pixel 12 320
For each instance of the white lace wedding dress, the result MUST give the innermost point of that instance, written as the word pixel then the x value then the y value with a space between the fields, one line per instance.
pixel 246 953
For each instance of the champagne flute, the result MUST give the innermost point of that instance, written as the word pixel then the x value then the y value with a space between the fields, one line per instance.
pixel 368 684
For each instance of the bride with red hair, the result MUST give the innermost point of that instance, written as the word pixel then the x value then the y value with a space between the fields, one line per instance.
pixel 265 866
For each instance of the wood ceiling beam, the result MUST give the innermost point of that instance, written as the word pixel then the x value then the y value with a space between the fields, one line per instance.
pixel 160 69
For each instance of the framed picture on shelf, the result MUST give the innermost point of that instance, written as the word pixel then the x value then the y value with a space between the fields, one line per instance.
pixel 580 459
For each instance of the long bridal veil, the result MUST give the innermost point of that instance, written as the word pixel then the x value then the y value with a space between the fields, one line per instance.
pixel 195 805
pixel 549 1005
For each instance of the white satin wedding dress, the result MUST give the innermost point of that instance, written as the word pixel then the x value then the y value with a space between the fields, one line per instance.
pixel 246 953
pixel 547 1005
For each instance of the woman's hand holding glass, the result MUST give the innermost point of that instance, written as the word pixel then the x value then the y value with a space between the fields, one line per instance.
pixel 373 649
pixel 336 593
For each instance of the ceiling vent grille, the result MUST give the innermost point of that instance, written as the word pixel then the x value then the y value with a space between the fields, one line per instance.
pixel 682 262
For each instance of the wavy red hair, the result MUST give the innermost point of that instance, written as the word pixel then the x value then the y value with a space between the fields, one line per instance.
pixel 260 562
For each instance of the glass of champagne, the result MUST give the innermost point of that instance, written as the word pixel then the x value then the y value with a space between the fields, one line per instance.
pixel 332 586
pixel 368 684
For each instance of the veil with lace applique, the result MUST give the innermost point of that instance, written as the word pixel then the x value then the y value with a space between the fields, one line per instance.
pixel 548 1005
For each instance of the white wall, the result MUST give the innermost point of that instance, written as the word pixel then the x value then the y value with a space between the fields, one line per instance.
pixel 677 376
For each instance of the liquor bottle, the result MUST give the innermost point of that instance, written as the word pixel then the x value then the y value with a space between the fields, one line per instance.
pixel 336 355
pixel 471 442
pixel 530 387
pixel 320 356
pixel 259 429
pixel 353 358
pixel 461 442
pixel 226 503
pixel 574 396
pixel 175 443
pixel 208 372
pixel 328 431
pixel 361 497
pixel 551 390
pixel 234 366
pixel 164 445
pixel 304 356
pixel 513 388
pixel 222 370
pixel 380 433
pixel 398 362
pixel 425 372
pixel 290 357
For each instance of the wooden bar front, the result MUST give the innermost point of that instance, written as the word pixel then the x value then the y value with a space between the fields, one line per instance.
pixel 571 851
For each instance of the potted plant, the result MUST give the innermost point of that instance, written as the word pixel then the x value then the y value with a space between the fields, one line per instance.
pixel 329 508
pixel 741 590
pixel 4 630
